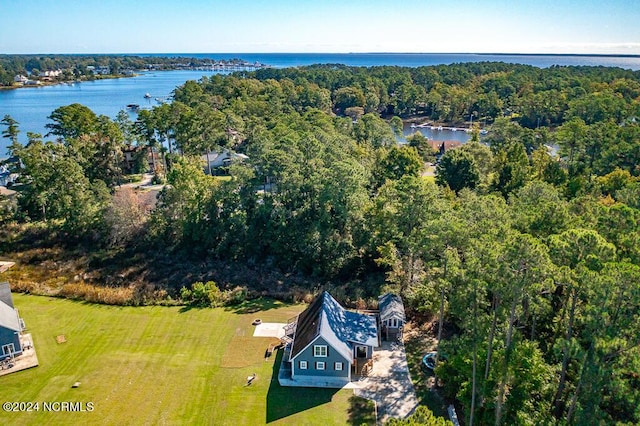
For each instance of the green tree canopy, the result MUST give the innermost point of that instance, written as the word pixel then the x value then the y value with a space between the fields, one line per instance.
pixel 458 169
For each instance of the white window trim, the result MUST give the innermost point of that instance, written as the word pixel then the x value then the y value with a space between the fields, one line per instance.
pixel 8 349
pixel 337 366
pixel 320 365
pixel 303 365
pixel 317 349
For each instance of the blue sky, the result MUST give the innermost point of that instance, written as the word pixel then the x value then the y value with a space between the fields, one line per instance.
pixel 214 26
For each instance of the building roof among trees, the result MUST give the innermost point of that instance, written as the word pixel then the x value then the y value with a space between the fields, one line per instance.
pixel 338 327
pixel 391 306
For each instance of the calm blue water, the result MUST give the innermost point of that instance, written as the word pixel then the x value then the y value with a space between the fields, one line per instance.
pixel 31 106
pixel 417 59
pixel 435 134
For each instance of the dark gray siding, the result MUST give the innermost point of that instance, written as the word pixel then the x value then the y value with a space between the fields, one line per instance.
pixel 333 356
pixel 9 336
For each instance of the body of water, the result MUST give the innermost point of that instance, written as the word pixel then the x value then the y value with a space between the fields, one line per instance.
pixel 31 106
pixel 283 60
pixel 437 133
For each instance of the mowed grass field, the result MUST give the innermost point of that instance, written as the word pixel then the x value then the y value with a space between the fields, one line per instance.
pixel 163 365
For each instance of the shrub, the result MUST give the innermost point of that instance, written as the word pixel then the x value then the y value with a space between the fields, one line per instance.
pixel 422 416
pixel 158 179
pixel 208 294
pixel 202 294
pixel 235 296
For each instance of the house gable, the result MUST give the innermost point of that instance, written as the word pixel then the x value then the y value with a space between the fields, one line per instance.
pixel 330 358
pixel 391 307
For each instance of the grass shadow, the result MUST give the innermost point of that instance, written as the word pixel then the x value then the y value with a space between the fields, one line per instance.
pixel 255 305
pixel 245 307
pixel 190 306
pixel 185 308
pixel 361 411
pixel 284 401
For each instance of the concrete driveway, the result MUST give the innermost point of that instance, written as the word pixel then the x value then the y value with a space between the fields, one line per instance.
pixel 389 384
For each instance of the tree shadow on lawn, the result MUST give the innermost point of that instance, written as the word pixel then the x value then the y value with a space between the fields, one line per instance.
pixel 245 307
pixel 361 411
pixel 255 305
pixel 285 401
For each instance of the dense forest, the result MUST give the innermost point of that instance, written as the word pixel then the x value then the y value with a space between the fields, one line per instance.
pixel 526 244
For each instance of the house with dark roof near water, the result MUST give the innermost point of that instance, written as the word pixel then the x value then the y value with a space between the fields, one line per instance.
pixel 10 325
pixel 392 318
pixel 328 345
pixel 440 147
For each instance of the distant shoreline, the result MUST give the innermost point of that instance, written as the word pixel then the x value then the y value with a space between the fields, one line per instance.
pixel 187 54
pixel 585 55
pixel 18 70
pixel 57 83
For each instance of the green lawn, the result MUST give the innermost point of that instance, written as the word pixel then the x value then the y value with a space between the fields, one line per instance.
pixel 163 365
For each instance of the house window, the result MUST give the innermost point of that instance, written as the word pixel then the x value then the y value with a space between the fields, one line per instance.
pixel 361 351
pixel 8 349
pixel 303 365
pixel 393 322
pixel 338 366
pixel 320 365
pixel 320 351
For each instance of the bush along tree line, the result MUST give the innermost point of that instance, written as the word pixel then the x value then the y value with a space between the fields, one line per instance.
pixel 527 245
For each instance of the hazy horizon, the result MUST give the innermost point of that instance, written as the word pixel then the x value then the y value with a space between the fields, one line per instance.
pixel 285 26
pixel 328 53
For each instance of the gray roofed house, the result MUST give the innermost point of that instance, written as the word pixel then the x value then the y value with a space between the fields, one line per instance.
pixel 329 345
pixel 5 294
pixel 10 325
pixel 214 160
pixel 392 315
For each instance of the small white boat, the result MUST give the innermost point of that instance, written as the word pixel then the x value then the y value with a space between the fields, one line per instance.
pixel 147 95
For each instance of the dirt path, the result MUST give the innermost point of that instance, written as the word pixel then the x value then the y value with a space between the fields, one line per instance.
pixel 146 181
